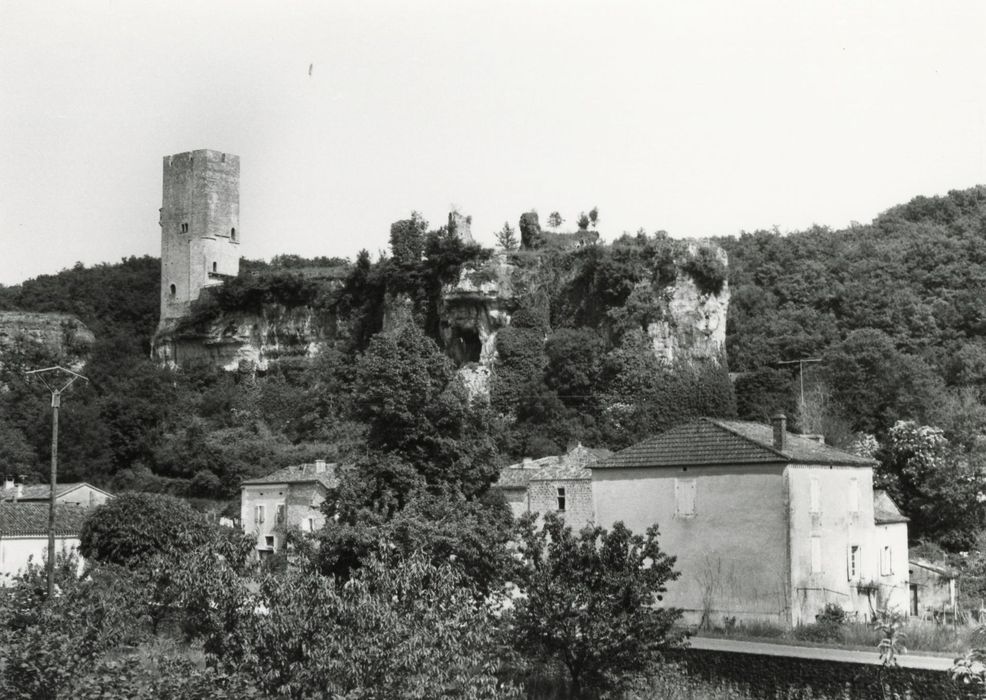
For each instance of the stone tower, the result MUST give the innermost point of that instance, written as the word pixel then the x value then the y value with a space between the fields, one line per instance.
pixel 200 227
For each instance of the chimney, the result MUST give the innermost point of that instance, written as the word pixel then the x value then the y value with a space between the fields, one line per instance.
pixel 319 466
pixel 8 482
pixel 527 461
pixel 18 492
pixel 779 422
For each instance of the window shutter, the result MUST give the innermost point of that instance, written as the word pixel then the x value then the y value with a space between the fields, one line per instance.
pixel 815 505
pixel 849 562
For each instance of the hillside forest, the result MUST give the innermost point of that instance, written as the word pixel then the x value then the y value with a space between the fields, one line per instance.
pixel 894 311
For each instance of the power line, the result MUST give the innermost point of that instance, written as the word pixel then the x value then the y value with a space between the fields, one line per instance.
pixel 57 388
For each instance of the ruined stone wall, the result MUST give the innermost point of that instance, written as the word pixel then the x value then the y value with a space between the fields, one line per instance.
pixel 578 511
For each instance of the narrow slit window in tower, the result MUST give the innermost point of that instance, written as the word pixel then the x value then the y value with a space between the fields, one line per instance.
pixel 214 267
pixel 174 290
pixel 232 233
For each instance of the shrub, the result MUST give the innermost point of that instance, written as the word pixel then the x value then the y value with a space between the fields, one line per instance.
pixel 590 601
pixel 133 527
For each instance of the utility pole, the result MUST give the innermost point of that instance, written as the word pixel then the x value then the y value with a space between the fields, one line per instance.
pixel 56 387
pixel 801 375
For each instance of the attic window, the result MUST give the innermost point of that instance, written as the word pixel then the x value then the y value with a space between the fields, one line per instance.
pixel 561 499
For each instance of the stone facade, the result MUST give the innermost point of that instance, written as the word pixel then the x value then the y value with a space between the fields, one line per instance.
pixel 200 227
pixel 559 484
pixel 569 495
pixel 287 499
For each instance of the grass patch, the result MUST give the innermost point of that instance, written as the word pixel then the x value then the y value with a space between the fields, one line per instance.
pixel 922 636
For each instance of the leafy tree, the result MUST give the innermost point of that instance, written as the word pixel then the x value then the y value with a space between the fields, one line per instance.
pixel 469 535
pixel 594 216
pixel 416 408
pixel 133 527
pixel 407 239
pixel 574 364
pixel 877 383
pixel 555 220
pixel 506 237
pixel 45 643
pixel 590 601
pixel 583 221
pixel 921 471
pixel 399 628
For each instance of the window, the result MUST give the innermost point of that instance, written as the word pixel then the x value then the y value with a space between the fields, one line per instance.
pixel 854 562
pixel 280 515
pixel 174 290
pixel 311 524
pixel 853 496
pixel 184 228
pixel 684 497
pixel 814 497
pixel 886 562
pixel 232 233
pixel 258 515
pixel 269 541
pixel 561 499
pixel 214 268
pixel 816 555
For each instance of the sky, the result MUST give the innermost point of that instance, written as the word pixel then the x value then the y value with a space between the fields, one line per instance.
pixel 700 118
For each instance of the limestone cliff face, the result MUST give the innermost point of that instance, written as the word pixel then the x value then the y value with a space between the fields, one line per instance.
pixel 695 325
pixel 479 305
pixel 247 341
pixel 63 336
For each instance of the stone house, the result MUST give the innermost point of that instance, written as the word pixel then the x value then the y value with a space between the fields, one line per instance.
pixel 289 498
pixel 765 524
pixel 24 534
pixel 559 483
pixel 79 494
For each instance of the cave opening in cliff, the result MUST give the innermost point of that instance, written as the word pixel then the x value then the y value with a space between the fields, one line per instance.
pixel 466 345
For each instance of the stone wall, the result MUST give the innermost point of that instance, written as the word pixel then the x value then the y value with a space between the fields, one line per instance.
pixel 783 676
pixel 543 498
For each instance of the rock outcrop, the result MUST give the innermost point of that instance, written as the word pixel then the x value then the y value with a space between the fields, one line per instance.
pixel 247 342
pixel 62 336
pixel 479 305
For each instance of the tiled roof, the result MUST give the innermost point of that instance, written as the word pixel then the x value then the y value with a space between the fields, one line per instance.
pixel 562 472
pixel 21 519
pixel 40 492
pixel 940 569
pixel 299 474
pixel 713 441
pixel 885 511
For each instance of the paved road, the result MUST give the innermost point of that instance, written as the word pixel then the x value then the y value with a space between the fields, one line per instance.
pixel 934 663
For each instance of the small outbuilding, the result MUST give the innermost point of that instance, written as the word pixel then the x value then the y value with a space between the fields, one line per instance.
pixel 934 589
pixel 24 534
